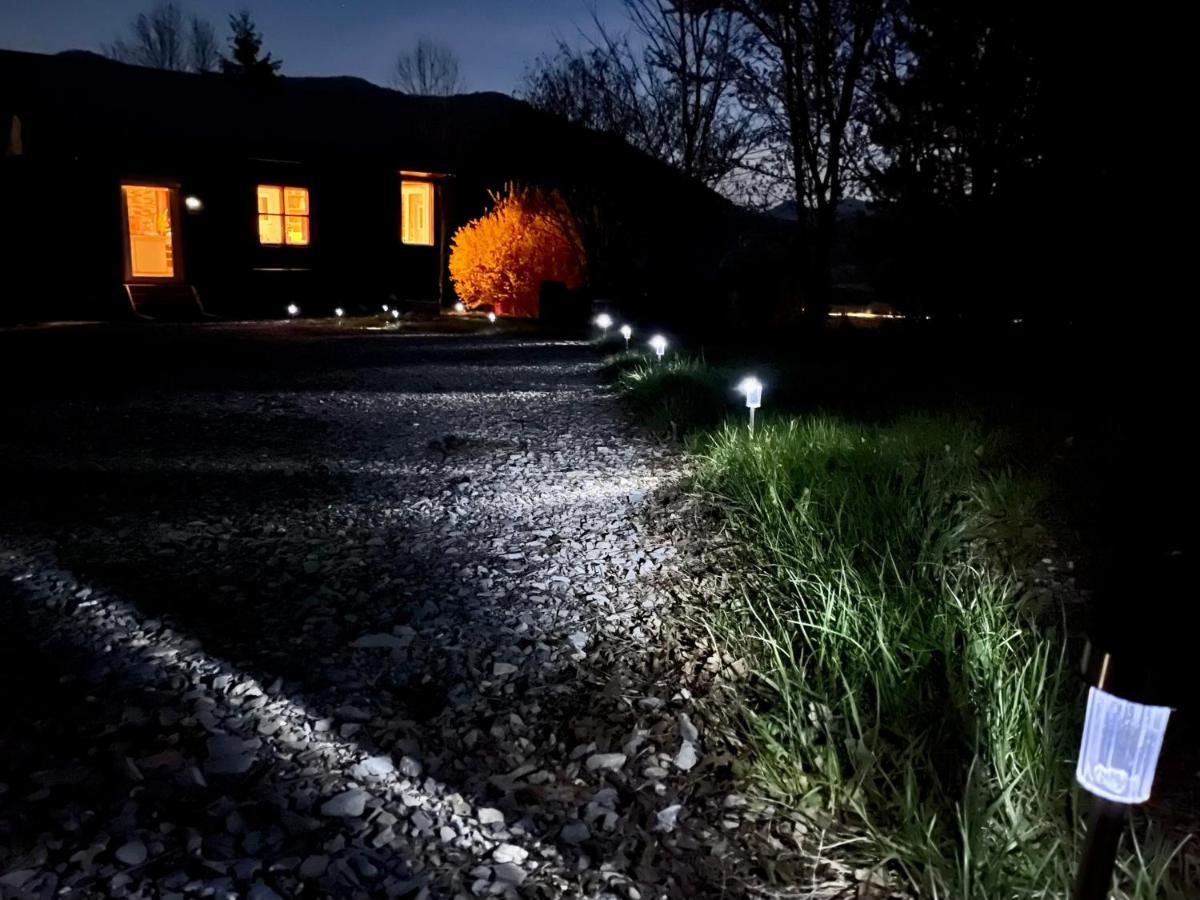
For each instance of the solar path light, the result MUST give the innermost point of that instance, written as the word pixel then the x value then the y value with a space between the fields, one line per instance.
pixel 604 320
pixel 1117 758
pixel 293 309
pixel 339 312
pixel 460 307
pixel 627 333
pixel 752 388
pixel 659 344
pixel 492 318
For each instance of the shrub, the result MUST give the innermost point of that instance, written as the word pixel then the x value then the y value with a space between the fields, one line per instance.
pixel 503 257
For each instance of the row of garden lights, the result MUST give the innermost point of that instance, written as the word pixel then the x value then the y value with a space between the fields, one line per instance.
pixel 293 310
pixel 749 386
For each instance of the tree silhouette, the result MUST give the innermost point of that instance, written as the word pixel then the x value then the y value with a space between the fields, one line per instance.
pixel 167 38
pixel 245 43
pixel 429 69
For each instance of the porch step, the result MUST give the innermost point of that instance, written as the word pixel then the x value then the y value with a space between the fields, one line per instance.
pixel 165 301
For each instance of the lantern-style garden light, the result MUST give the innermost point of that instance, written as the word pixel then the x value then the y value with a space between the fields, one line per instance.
pixel 1117 758
pixel 293 309
pixel 659 344
pixel 627 333
pixel 604 320
pixel 492 317
pixel 752 388
pixel 339 312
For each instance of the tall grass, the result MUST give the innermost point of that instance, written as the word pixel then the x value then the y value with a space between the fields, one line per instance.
pixel 899 682
pixel 678 394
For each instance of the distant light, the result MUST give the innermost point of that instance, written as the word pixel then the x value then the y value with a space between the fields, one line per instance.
pixel 293 309
pixel 395 313
pixel 339 312
pixel 491 317
pixel 627 333
pixel 1120 747
pixel 604 320
pixel 386 307
pixel 460 307
pixel 194 204
pixel 659 343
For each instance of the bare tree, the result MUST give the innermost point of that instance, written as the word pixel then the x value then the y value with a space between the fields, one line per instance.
pixel 167 38
pixel 674 97
pixel 429 69
pixel 809 78
pixel 202 46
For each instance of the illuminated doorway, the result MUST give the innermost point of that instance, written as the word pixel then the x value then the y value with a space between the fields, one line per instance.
pixel 150 218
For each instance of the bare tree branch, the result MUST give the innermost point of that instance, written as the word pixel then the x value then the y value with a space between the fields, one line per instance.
pixel 429 69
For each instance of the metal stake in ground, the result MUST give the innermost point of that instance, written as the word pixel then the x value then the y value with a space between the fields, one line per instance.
pixel 752 388
pixel 1117 759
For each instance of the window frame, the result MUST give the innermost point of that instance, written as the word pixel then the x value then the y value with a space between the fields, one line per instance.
pixel 430 191
pixel 283 215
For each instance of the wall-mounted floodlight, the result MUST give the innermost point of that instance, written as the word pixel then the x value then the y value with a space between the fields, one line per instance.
pixel 1120 747
pixel 339 312
pixel 193 204
pixel 604 320
pixel 627 333
pixel 460 307
pixel 752 388
pixel 293 309
pixel 492 318
pixel 659 345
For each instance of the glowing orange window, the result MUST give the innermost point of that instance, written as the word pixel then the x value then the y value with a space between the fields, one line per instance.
pixel 416 212
pixel 283 215
pixel 148 230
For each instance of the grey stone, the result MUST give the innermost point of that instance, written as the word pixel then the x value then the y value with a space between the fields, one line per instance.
pixel 349 803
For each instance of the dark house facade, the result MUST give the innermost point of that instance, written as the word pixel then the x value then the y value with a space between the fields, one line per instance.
pixel 124 188
pixel 131 189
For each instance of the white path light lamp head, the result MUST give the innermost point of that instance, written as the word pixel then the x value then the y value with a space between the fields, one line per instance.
pixel 1120 747
pixel 627 333
pixel 395 313
pixel 460 307
pixel 604 320
pixel 193 204
pixel 659 344
pixel 492 318
pixel 752 388
pixel 293 309
pixel 339 312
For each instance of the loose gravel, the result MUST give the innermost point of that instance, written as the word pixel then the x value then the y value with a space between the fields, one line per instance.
pixel 298 615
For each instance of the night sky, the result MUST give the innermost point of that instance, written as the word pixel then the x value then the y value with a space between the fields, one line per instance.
pixel 494 39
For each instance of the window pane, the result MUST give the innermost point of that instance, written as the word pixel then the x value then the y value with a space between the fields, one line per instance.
pixel 270 229
pixel 148 226
pixel 297 229
pixel 269 199
pixel 296 201
pixel 416 212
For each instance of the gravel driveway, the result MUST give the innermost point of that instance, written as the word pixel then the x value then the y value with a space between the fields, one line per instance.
pixel 294 612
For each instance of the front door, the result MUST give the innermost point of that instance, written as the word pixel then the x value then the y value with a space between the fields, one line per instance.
pixel 151 250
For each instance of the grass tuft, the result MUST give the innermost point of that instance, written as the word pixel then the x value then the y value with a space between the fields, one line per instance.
pixel 679 395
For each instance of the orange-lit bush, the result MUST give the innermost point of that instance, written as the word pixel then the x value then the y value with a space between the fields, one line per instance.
pixel 503 257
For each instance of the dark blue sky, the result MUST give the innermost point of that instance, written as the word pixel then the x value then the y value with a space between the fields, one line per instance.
pixel 494 39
